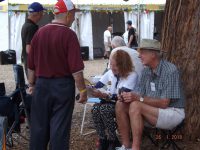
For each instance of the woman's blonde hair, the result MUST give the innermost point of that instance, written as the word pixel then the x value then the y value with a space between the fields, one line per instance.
pixel 123 62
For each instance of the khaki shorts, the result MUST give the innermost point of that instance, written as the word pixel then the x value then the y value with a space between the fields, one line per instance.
pixel 107 47
pixel 170 117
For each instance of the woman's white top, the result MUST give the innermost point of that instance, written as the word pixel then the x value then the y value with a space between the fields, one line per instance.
pixel 128 82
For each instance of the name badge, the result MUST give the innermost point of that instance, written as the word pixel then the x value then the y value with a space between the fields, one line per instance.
pixel 153 86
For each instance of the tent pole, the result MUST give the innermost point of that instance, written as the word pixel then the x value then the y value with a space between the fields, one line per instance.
pixel 9 39
pixel 138 9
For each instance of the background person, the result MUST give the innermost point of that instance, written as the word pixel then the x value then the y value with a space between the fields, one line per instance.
pixel 132 37
pixel 125 36
pixel 29 28
pixel 107 41
pixel 118 43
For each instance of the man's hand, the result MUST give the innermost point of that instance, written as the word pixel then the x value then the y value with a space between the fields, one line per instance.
pixel 83 98
pixel 79 80
pixel 130 97
pixel 30 90
pixel 120 98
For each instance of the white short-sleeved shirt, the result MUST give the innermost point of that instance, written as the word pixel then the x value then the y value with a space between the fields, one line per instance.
pixel 107 77
pixel 107 35
pixel 125 36
pixel 134 56
pixel 128 82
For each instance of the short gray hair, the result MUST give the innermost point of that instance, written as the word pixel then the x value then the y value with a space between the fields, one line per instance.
pixel 158 54
pixel 118 41
pixel 61 15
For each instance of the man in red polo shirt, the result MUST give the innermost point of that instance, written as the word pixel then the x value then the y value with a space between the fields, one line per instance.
pixel 55 65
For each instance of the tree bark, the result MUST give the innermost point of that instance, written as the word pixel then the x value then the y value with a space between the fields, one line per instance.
pixel 181 40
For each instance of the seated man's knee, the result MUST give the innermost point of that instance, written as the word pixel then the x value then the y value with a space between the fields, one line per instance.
pixel 135 108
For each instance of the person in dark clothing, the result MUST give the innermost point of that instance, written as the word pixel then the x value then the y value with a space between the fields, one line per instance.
pixel 29 28
pixel 132 38
pixel 55 66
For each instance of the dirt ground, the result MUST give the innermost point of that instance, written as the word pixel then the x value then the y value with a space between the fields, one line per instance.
pixel 78 141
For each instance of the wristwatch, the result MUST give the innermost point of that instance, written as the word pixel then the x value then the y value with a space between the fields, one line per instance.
pixel 141 99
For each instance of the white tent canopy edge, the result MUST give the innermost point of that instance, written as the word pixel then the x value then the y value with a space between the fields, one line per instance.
pixel 93 2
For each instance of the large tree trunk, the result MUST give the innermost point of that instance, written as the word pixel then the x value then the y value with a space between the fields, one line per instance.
pixel 181 40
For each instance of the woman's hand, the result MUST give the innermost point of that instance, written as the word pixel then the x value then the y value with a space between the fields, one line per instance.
pixel 99 94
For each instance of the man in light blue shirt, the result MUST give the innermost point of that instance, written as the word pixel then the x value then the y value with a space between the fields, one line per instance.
pixel 159 100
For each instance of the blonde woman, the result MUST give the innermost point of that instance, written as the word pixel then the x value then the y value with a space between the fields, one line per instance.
pixel 123 77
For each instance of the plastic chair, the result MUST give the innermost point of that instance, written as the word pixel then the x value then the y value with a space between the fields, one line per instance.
pixel 90 101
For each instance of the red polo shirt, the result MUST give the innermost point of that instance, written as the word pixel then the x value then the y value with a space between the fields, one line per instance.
pixel 55 52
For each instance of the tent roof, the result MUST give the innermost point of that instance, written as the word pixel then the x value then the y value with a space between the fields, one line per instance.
pixel 92 2
pixel 4 2
pixel 4 6
pixel 112 5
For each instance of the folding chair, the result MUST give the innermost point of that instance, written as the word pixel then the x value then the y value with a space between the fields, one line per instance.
pixel 3 127
pixel 90 101
pixel 8 108
pixel 168 137
pixel 2 89
pixel 16 105
pixel 20 84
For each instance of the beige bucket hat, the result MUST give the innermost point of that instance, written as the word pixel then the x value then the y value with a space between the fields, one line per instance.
pixel 149 44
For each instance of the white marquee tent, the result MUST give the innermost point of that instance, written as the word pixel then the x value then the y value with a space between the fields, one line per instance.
pixel 93 2
pixel 4 26
pixel 84 32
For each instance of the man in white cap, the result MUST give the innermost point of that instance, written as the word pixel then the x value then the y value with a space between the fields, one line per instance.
pixel 159 101
pixel 54 66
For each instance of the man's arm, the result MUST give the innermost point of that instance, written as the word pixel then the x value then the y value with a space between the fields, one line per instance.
pixel 159 103
pixel 30 34
pixel 155 102
pixel 31 81
pixel 28 47
pixel 80 84
pixel 76 65
pixel 109 41
pixel 31 77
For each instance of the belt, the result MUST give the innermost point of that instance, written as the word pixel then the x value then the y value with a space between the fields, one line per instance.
pixel 68 76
